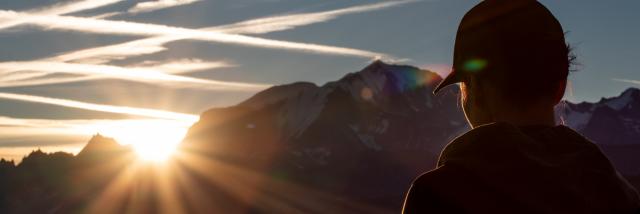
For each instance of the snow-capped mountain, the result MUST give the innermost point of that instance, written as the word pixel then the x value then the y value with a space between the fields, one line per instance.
pixel 382 124
pixel 368 134
pixel 598 120
pixel 612 123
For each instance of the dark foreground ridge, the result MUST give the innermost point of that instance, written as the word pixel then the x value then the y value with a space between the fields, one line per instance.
pixel 349 146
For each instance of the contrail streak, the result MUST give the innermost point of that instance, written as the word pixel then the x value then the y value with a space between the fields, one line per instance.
pixel 50 81
pixel 58 9
pixel 98 26
pixel 152 113
pixel 290 21
pixel 149 6
pixel 13 78
pixel 627 80
pixel 131 74
pixel 253 26
pixel 155 44
pixel 72 7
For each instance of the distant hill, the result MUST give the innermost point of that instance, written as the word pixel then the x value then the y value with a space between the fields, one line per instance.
pixel 349 146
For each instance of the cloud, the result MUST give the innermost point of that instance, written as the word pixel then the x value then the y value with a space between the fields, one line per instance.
pixel 149 6
pixel 50 81
pixel 105 54
pixel 83 63
pixel 152 113
pixel 72 7
pixel 16 128
pixel 88 25
pixel 627 80
pixel 181 66
pixel 254 26
pixel 131 74
pixel 287 22
pixel 58 9
pixel 18 132
pixel 105 15
pixel 18 76
pixel 14 75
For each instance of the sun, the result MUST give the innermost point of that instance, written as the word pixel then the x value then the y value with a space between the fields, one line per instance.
pixel 152 139
pixel 157 148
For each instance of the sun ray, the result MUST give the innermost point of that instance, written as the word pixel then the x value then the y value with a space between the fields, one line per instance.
pixel 112 198
pixel 168 189
pixel 259 190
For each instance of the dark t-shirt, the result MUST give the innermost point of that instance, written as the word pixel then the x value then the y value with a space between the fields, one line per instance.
pixel 500 168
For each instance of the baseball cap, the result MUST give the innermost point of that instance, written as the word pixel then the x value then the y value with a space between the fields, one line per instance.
pixel 496 32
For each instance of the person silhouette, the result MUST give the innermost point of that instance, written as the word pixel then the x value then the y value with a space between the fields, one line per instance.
pixel 511 62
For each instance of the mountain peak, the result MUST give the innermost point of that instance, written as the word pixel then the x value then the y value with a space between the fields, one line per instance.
pixel 627 97
pixel 376 63
pixel 101 139
pixel 98 144
pixel 373 79
pixel 633 92
pixel 400 78
pixel 276 93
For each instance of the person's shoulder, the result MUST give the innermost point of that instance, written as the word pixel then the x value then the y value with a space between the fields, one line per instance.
pixel 440 176
pixel 429 193
pixel 442 190
pixel 453 182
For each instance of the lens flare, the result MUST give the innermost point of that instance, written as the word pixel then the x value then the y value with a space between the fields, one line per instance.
pixel 475 65
pixel 411 78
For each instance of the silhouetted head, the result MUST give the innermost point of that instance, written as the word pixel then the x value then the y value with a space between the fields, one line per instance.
pixel 511 59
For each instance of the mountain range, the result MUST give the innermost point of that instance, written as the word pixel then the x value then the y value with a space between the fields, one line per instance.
pixel 367 135
pixel 612 123
pixel 349 146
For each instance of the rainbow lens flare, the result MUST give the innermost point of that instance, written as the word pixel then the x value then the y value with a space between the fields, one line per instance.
pixel 475 65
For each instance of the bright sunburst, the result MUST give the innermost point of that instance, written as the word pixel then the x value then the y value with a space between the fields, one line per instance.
pixel 152 140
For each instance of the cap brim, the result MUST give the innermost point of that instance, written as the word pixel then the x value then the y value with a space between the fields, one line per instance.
pixel 452 78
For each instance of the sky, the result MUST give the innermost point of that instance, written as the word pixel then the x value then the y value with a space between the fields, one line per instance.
pixel 70 69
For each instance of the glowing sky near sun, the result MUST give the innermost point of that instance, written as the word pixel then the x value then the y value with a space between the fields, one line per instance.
pixel 142 71
pixel 152 138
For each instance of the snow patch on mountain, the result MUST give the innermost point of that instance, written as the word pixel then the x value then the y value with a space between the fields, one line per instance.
pixel 277 94
pixel 578 116
pixel 573 118
pixel 301 107
pixel 298 112
pixel 625 99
